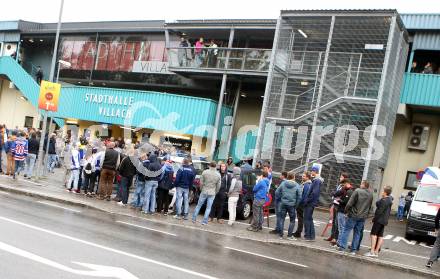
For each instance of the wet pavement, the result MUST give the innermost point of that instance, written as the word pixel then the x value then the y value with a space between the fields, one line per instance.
pixel 397 251
pixel 44 239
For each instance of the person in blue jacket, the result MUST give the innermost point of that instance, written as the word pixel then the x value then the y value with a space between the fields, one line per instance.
pixel 311 200
pixel 260 193
pixel 184 181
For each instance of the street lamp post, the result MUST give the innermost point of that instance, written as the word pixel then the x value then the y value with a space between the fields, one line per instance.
pixel 67 65
pixel 51 75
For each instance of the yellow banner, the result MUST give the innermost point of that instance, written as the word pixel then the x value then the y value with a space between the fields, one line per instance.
pixel 49 96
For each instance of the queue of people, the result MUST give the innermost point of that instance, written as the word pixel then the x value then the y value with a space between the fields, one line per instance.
pixel 95 172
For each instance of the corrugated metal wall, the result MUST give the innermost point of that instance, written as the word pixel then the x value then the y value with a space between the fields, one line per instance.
pixel 427 41
pixel 421 21
pixel 421 89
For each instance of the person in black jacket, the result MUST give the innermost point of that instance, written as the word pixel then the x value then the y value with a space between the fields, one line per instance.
pixel 220 197
pixel 165 185
pixel 380 220
pixel 33 146
pixel 336 200
pixel 127 170
pixel 435 252
pixel 52 154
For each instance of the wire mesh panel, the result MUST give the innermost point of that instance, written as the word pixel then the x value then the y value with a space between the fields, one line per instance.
pixel 335 76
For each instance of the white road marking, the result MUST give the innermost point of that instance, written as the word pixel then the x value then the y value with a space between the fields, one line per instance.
pixel 397 252
pixel 266 257
pixel 108 248
pixel 97 270
pixel 59 206
pixel 4 193
pixel 423 244
pixel 145 228
pixel 388 237
pixel 399 238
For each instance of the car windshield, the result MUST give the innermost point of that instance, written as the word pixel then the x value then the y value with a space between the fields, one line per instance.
pixel 429 193
pixel 200 166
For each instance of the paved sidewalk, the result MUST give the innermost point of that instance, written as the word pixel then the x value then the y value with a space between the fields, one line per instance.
pixel 52 189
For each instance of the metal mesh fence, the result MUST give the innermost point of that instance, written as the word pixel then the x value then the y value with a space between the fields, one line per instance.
pixel 333 77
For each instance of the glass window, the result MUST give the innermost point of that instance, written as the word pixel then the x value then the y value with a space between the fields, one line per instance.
pixel 411 181
pixel 430 193
pixel 28 121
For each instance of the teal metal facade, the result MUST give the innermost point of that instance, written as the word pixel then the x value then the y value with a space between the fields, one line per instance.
pixel 421 21
pixel 145 109
pixel 421 89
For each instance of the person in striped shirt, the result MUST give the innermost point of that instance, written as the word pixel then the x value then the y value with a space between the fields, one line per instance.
pixel 19 152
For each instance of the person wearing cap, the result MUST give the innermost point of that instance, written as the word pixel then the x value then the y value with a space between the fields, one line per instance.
pixel 310 202
pixel 234 194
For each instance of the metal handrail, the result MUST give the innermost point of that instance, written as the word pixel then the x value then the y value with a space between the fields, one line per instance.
pixel 221 48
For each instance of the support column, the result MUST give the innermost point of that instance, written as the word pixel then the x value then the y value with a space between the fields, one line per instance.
pixel 217 117
pixel 321 88
pixel 220 100
pixel 379 99
pixel 167 38
pixel 18 51
pixel 411 59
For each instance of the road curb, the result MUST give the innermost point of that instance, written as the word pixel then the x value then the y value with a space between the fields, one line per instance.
pixel 49 198
pixel 379 262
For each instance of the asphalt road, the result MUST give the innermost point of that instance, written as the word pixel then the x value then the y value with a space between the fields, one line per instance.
pixel 41 239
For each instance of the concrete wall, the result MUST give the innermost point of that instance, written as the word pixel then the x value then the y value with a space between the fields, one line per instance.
pixel 14 109
pixel 402 159
pixel 248 113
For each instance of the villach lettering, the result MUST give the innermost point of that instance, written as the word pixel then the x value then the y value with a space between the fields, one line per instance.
pixel 110 100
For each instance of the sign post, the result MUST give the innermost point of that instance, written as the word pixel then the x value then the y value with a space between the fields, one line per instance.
pixel 47 101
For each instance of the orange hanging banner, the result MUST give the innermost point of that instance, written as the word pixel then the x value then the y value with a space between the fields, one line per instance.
pixel 49 95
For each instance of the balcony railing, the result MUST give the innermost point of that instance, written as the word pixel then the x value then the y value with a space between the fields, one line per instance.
pixel 421 89
pixel 249 60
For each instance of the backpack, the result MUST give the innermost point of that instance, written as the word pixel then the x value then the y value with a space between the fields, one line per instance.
pixel 167 181
pixel 88 168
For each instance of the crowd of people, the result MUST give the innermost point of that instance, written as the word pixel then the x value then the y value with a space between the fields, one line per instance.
pixel 21 149
pixel 94 168
pixel 350 210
